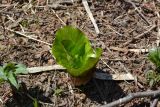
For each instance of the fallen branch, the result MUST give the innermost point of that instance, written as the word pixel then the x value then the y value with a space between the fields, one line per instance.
pixel 97 75
pixel 132 96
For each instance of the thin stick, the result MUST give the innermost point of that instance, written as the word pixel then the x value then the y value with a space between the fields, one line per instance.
pixel 132 96
pixel 139 36
pixel 44 68
pixel 85 3
pixel 108 66
pixel 114 30
pixel 118 59
pixel 29 37
pixel 58 17
pixel 130 50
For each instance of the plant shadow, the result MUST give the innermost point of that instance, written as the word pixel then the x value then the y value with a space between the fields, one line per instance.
pixel 26 98
pixel 102 90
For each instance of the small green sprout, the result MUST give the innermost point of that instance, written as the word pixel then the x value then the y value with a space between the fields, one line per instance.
pixel 9 71
pixel 58 91
pixel 153 77
pixel 24 23
pixel 35 103
pixel 72 50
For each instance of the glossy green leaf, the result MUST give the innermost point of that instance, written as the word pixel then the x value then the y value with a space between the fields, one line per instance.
pixel 12 79
pixel 73 50
pixel 21 69
pixel 154 56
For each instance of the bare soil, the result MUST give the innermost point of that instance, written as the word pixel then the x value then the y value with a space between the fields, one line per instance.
pixel 118 22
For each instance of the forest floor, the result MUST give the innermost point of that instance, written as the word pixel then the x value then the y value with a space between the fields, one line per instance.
pixel 124 34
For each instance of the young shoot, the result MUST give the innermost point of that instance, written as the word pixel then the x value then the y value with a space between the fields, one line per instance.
pixel 9 72
pixel 72 50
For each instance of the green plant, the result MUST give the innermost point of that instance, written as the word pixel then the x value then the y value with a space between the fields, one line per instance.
pixel 35 103
pixel 153 77
pixel 58 91
pixel 24 23
pixel 154 57
pixel 9 71
pixel 72 50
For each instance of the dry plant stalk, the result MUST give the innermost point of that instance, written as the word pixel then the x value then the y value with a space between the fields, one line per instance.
pixel 132 96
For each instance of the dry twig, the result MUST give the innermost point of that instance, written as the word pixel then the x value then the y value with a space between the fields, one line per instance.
pixel 108 66
pixel 113 30
pixel 27 36
pixel 85 3
pixel 59 18
pixel 130 50
pixel 132 96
